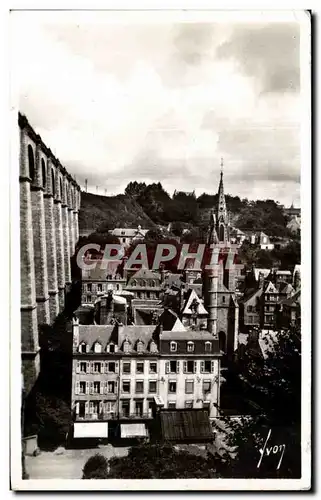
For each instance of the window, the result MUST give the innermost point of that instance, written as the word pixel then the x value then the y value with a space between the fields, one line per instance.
pixel 83 348
pixel 152 283
pixel 172 387
pixel 173 347
pixel 53 181
pixel 147 295
pixel 189 386
pixel 206 366
pixel 97 367
pixel 152 367
pixel 44 175
pixel 88 298
pixel 111 348
pixel 208 346
pixel 126 346
pixel 111 387
pixel 94 407
pixel 83 367
pixel 96 387
pixel 190 346
pixel 206 405
pixel 223 299
pixel 111 367
pixel 139 386
pixel 139 407
pixel 124 240
pixel 189 366
pixel 99 287
pixel 188 404
pixel 172 367
pixel 206 386
pixel 97 347
pixel 126 386
pixel 89 287
pixel 153 347
pixel 171 405
pixel 125 407
pixel 249 308
pixel 82 387
pixel 31 163
pixel 139 367
pixel 152 386
pixel 126 367
pixel 140 346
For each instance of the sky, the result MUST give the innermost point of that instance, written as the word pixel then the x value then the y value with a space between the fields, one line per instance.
pixel 165 101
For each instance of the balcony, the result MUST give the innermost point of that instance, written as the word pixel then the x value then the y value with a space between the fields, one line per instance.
pixel 135 416
pixel 96 417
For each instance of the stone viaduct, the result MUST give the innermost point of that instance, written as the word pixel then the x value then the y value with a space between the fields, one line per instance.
pixel 49 205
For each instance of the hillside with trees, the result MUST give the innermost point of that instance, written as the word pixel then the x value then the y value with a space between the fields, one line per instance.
pixel 150 205
pixel 105 212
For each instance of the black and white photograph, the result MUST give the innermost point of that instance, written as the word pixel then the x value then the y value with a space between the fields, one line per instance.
pixel 160 191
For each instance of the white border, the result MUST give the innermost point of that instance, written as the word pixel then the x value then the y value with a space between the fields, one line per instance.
pixel 192 484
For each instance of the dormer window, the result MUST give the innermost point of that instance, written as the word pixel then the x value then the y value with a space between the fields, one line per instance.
pixel 153 347
pixel 140 346
pixel 173 346
pixel 208 346
pixel 83 347
pixel 97 347
pixel 190 346
pixel 112 348
pixel 153 283
pixel 134 283
pixel 126 346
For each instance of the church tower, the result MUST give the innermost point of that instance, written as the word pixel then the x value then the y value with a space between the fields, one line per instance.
pixel 219 297
pixel 222 220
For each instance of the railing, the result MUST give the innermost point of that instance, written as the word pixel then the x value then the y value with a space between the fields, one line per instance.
pixel 113 416
pixel 135 416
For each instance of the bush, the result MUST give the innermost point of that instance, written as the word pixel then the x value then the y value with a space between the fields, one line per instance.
pixel 96 467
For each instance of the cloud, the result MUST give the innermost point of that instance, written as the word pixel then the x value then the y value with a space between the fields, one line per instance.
pixel 270 53
pixel 164 102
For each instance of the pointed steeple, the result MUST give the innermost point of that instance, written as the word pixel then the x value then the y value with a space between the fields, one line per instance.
pixel 222 215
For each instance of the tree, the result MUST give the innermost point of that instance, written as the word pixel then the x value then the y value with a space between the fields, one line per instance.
pixel 272 388
pixel 158 461
pixel 96 467
pixel 135 189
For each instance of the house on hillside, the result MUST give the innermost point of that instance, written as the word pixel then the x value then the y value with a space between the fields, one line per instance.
pixel 127 236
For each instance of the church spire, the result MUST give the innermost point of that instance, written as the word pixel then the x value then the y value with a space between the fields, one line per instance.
pixel 222 216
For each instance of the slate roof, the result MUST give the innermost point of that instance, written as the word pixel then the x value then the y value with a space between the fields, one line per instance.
pixel 186 425
pixel 98 273
pixel 105 333
pixel 186 335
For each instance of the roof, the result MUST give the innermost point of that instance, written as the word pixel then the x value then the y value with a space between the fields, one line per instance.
pixel 103 334
pixel 286 288
pixel 280 271
pixel 98 273
pixel 129 232
pixel 190 425
pixel 294 300
pixel 257 271
pixel 186 335
pixel 191 296
pixel 249 293
pixel 144 273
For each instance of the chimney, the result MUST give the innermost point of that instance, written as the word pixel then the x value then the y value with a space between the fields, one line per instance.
pixel 75 331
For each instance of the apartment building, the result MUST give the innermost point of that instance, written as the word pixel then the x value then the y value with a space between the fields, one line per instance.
pixel 118 370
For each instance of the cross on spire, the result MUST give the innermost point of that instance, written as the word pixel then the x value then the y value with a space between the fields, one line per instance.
pixel 222 165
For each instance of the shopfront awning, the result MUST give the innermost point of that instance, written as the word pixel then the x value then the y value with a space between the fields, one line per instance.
pixel 91 430
pixel 133 430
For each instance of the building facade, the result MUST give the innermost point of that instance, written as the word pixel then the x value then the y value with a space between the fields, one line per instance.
pixel 118 370
pixel 49 205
